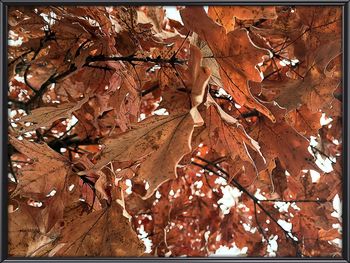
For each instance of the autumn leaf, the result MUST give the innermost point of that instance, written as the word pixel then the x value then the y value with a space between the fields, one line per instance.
pixel 329 235
pixel 27 235
pixel 155 136
pixel 40 178
pixel 105 233
pixel 304 121
pixel 178 137
pixel 282 141
pixel 225 15
pixel 101 186
pixel 235 63
pixel 231 133
pixel 210 62
pixel 199 76
pixel 45 116
pixel 314 89
pixel 162 135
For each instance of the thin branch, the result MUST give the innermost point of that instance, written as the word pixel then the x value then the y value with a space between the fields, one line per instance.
pixel 296 200
pixel 272 73
pixel 253 113
pixel 48 36
pixel 52 79
pixel 132 59
pixel 315 149
pixel 151 89
pixel 99 67
pixel 261 230
pixel 223 174
pixel 229 98
pixel 20 57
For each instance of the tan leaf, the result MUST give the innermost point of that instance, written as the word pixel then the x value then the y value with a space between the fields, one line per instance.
pixel 161 165
pixel 101 185
pixel 315 90
pixel 45 116
pixel 281 140
pixel 156 134
pixel 225 15
pixel 104 233
pixel 137 142
pixel 27 232
pixel 210 62
pixel 199 76
pixel 48 171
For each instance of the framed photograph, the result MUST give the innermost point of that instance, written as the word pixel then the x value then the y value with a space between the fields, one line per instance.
pixel 184 131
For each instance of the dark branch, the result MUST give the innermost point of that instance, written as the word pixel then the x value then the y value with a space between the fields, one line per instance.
pixel 223 174
pixel 296 201
pixel 20 57
pixel 53 79
pixel 261 230
pixel 315 149
pixel 48 36
pixel 151 89
pixel 131 59
pixel 253 113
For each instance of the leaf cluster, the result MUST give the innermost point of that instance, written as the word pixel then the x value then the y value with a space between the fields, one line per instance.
pixel 133 134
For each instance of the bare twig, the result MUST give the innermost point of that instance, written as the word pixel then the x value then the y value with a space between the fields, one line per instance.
pixel 223 174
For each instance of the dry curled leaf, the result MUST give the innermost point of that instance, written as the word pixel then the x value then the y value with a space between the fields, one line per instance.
pixel 237 63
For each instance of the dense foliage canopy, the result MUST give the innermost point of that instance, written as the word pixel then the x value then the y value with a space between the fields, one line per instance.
pixel 134 134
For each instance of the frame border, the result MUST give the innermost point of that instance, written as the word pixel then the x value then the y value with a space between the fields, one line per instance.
pixel 346 122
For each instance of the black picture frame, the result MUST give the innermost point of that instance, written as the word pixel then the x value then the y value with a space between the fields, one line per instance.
pixel 4 4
